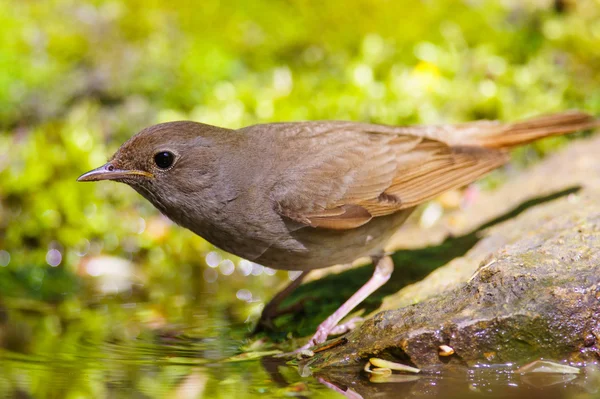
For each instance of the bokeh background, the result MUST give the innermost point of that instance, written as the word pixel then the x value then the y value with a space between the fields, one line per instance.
pixel 95 263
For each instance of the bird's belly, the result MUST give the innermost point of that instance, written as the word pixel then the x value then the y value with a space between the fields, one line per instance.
pixel 323 248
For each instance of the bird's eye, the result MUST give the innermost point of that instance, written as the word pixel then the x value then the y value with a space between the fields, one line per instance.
pixel 164 159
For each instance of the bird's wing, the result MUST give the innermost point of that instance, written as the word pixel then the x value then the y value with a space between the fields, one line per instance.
pixel 350 173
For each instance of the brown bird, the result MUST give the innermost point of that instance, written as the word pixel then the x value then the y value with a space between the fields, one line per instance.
pixel 307 195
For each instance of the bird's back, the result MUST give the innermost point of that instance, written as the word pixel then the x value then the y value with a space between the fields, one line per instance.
pixel 342 188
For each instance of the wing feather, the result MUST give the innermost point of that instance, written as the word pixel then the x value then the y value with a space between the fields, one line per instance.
pixel 353 173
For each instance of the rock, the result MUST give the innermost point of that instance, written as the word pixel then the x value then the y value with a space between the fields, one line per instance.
pixel 575 166
pixel 535 295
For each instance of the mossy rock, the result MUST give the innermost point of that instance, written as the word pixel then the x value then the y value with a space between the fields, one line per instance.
pixel 538 296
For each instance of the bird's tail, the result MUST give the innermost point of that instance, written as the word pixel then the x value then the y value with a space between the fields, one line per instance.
pixel 519 133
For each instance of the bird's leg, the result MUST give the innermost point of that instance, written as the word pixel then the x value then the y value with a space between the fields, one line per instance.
pixel 384 266
pixel 271 309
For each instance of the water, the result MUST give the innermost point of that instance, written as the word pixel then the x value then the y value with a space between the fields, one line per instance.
pixel 114 348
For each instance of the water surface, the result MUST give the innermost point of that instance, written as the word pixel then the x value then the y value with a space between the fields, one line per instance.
pixel 116 348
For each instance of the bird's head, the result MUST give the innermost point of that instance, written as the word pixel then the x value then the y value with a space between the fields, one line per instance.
pixel 164 162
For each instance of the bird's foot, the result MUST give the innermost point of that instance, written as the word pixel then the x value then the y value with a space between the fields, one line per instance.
pixel 324 330
pixel 347 326
pixel 319 337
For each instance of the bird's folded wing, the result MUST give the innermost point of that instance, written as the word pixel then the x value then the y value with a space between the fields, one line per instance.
pixel 352 176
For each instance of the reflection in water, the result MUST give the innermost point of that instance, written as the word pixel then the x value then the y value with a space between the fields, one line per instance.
pixel 495 381
pixel 117 347
pixel 44 355
pixel 111 350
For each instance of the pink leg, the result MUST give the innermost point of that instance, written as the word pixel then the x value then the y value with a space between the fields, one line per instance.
pixel 383 270
pixel 347 326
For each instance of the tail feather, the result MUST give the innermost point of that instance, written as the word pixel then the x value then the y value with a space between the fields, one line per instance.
pixel 519 133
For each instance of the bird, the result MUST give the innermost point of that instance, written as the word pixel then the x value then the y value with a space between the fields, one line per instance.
pixel 309 195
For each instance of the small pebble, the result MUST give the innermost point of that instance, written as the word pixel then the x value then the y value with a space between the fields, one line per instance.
pixel 445 350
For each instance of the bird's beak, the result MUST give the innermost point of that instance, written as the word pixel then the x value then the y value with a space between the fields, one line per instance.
pixel 111 172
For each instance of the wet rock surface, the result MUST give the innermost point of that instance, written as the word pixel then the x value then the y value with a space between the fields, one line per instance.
pixel 529 289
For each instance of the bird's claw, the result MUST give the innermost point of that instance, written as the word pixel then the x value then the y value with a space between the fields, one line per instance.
pixel 347 326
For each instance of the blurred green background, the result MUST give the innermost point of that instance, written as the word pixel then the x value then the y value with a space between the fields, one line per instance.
pixel 96 262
